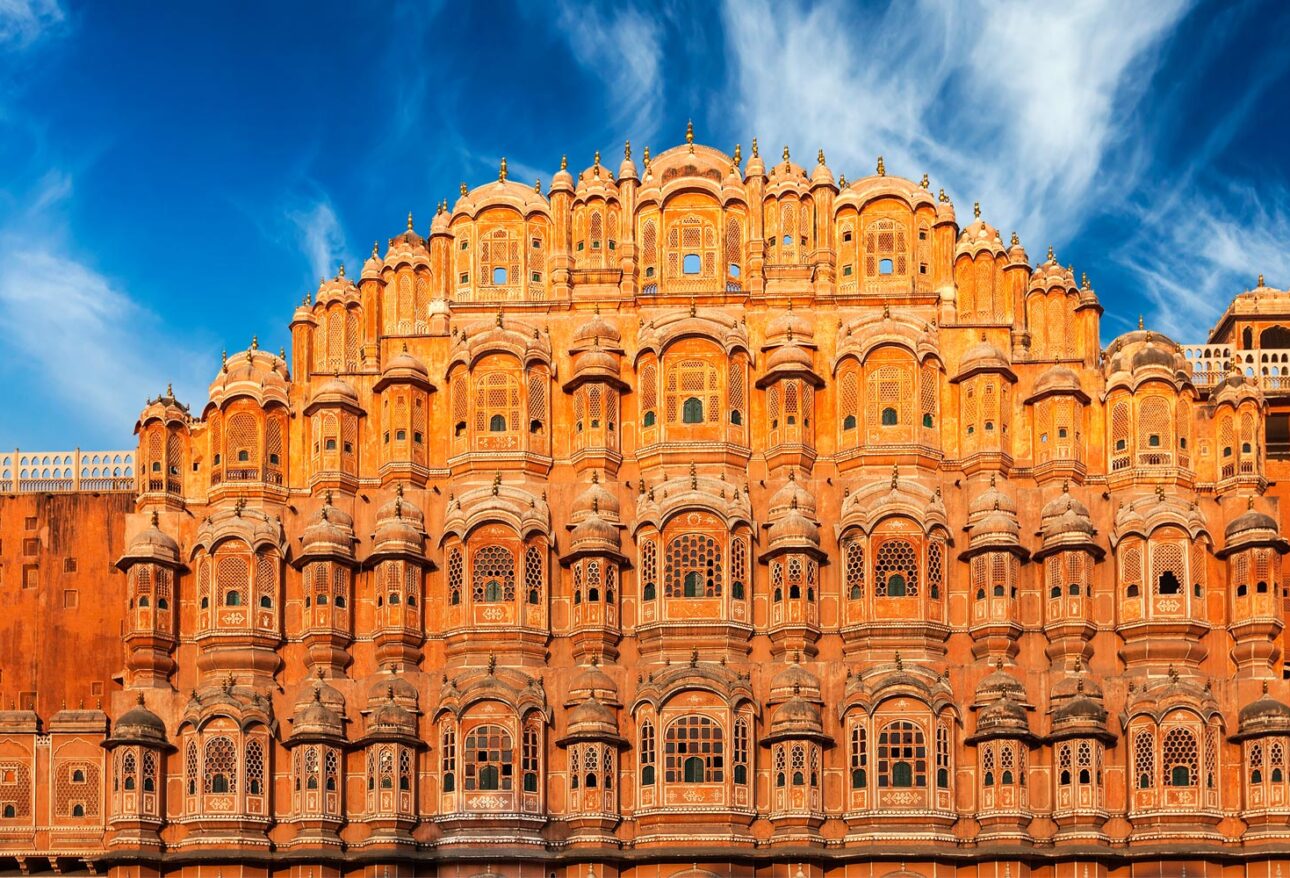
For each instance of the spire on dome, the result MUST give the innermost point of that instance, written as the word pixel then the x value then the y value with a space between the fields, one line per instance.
pixel 689 133
pixel 819 158
pixel 627 150
pixel 925 182
pixel 976 209
pixel 882 167
pixel 501 171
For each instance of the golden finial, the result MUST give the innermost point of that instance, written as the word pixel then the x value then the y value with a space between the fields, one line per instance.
pixel 1051 258
pixel 499 317
pixel 943 198
pixel 689 133
pixel 785 155
pixel 1083 280
pixel 376 249
pixel 627 150
pixel 1016 241
pixel 755 153
pixel 255 342
pixel 154 518
pixel 410 212
pixel 925 182
pixel 645 155
pixel 282 353
pixel 224 359
pixel 537 185
pixel 895 477
pixel 564 163
pixel 976 209
pixel 819 157
pixel 1140 321
pixel 341 271
pixel 739 155
pixel 882 167
pixel 842 181
pixel 463 189
pixel 1260 280
pixel 170 390
pixel 596 161
pixel 692 308
pixel 501 171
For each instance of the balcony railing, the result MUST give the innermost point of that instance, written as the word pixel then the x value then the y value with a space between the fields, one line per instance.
pixel 63 472
pixel 1210 364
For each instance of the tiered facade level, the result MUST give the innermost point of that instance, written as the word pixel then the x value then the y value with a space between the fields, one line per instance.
pixel 698 518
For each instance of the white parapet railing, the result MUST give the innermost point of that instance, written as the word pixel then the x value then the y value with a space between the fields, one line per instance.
pixel 62 472
pixel 1211 363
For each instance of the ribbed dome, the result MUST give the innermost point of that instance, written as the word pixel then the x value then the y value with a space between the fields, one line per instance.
pixel 983 355
pixel 790 495
pixel 797 718
pixel 593 532
pixel 314 718
pixel 595 362
pixel 400 527
pixel 597 330
pixel 789 357
pixel 403 366
pixel 1001 717
pixel 1058 379
pixel 793 529
pixel 334 391
pixel 141 725
pixel 997 683
pixel 794 680
pixel 1249 523
pixel 991 499
pixel 330 531
pixel 790 326
pixel 591 717
pixel 1267 714
pixel 595 497
pixel 591 681
pixel 153 544
pixel 253 372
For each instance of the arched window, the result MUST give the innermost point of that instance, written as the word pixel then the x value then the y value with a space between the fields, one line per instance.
pixel 889 417
pixel 896 569
pixel 493 575
pixel 859 758
pixel 694 567
pixel 647 753
pixel 1180 758
pixel 220 764
pixel 902 755
pixel 695 751
pixel 691 264
pixel 692 411
pixel 490 759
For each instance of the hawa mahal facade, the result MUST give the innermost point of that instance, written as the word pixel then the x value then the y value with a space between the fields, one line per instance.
pixel 701 518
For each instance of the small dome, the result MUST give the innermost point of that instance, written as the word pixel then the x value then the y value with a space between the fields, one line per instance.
pixel 1081 708
pixel 1058 379
pixel 1151 355
pixel 400 528
pixel 597 330
pixel 594 363
pixel 995 525
pixel 797 718
pixel 330 531
pixel 313 717
pixel 1062 504
pixel 596 498
pixel 1266 715
pixel 1251 524
pixel 140 724
pixel 1050 274
pixel 997 683
pixel 789 326
pixel 820 174
pixel 391 718
pixel 154 545
pixel 334 391
pixel 990 500
pixel 592 682
pixel 253 372
pixel 1003 717
pixel 789 357
pixel 790 495
pixel 385 685
pixel 979 236
pixel 793 529
pixel 593 717
pixel 794 680
pixel 593 533
pixel 983 355
pixel 404 365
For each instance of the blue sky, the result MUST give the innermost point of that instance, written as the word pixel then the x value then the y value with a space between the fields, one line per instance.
pixel 174 177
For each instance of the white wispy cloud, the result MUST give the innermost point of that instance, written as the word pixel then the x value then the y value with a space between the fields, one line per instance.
pixel 24 22
pixel 319 235
pixel 90 350
pixel 1013 104
pixel 1207 248
pixel 623 47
